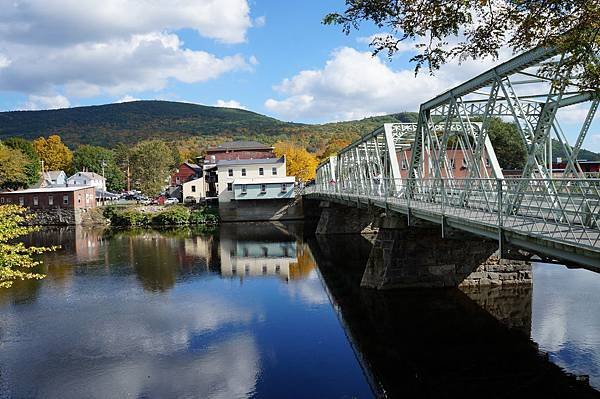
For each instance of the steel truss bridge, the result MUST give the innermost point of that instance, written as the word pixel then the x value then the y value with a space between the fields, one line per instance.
pixel 444 169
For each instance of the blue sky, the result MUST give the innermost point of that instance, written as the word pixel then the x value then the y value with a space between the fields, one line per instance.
pixel 266 56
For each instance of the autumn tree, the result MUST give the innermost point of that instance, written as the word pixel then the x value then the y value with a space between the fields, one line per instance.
pixel 151 162
pixel 461 29
pixel 54 153
pixel 299 162
pixel 32 167
pixel 91 158
pixel 333 146
pixel 13 164
pixel 16 259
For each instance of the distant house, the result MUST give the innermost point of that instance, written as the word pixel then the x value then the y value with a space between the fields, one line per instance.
pixel 235 150
pixel 195 189
pixel 253 179
pixel 52 178
pixel 87 179
pixel 185 172
pixel 79 197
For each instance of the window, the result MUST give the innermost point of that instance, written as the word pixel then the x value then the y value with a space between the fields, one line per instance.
pixel 230 172
pixel 65 199
pixel 193 189
pixel 404 164
pixel 35 201
pixel 452 164
pixel 263 188
pixel 487 162
pixel 177 180
pixel 2 200
pixel 274 171
pixel 79 198
pixel 50 200
pixel 243 171
pixel 21 201
pixel 261 172
pixel 244 189
pixel 284 188
pixel 84 181
pixel 229 186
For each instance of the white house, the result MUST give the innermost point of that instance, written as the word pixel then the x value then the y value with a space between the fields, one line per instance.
pixel 87 179
pixel 257 171
pixel 53 178
pixel 195 189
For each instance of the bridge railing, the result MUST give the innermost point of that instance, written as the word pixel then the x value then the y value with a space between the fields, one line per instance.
pixel 570 212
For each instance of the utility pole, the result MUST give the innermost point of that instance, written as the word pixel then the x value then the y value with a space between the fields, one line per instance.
pixel 104 181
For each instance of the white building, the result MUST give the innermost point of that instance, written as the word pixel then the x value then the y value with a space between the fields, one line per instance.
pixel 87 179
pixel 195 189
pixel 259 170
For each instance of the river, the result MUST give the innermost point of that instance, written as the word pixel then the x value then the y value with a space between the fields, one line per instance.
pixel 268 311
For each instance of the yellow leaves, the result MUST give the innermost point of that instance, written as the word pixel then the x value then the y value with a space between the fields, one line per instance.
pixel 54 153
pixel 15 257
pixel 299 162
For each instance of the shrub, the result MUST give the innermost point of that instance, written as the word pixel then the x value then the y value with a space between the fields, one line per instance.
pixel 172 216
pixel 130 217
pixel 203 215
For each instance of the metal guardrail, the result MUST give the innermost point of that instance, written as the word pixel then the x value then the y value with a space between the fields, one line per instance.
pixel 569 213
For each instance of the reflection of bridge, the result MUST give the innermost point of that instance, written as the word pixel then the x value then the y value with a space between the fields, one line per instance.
pixel 410 170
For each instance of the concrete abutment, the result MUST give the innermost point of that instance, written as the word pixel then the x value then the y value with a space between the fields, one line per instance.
pixel 417 256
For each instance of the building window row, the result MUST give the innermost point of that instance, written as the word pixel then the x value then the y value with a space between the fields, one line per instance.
pixel 261 172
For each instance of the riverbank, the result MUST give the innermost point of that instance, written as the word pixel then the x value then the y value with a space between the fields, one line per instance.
pixel 147 216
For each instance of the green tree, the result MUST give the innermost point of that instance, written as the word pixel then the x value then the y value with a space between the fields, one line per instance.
pixel 54 153
pixel 508 145
pixel 481 28
pixel 16 260
pixel 33 167
pixel 90 158
pixel 151 163
pixel 13 164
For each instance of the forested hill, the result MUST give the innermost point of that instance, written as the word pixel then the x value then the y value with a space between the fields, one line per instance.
pixel 107 125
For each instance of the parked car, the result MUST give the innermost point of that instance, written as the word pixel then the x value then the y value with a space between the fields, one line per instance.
pixel 171 201
pixel 190 200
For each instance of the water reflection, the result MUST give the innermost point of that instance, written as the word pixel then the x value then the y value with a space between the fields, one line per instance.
pixel 155 314
pixel 440 343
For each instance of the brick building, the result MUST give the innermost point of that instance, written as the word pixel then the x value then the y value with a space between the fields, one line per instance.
pixel 235 150
pixel 54 205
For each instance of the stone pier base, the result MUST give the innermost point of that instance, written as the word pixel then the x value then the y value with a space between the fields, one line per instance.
pixel 418 256
pixel 338 219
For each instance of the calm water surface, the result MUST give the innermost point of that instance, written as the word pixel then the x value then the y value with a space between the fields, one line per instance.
pixel 262 311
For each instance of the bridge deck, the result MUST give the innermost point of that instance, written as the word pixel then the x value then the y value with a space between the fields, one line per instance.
pixel 568 242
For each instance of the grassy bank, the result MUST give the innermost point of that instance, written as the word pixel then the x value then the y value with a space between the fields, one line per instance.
pixel 176 215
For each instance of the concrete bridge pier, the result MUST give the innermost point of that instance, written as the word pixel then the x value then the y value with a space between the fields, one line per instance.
pixel 417 256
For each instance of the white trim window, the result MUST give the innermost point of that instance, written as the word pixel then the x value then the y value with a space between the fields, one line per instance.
pixel 51 200
pixel 284 188
pixel 274 171
pixel 230 172
pixel 243 171
pixel 21 201
pixel 35 201
pixel 261 171
pixel 229 186
pixel 65 200
pixel 263 188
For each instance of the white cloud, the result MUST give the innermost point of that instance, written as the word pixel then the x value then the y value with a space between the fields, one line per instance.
pixel 354 84
pixel 35 102
pixel 139 63
pixel 127 99
pixel 229 104
pixel 260 21
pixel 88 48
pixel 56 22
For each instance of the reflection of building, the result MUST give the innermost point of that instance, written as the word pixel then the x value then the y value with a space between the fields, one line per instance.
pixel 255 258
pixel 257 250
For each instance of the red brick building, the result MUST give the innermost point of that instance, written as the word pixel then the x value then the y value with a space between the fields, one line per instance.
pixel 74 197
pixel 456 158
pixel 586 166
pixel 235 150
pixel 184 173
